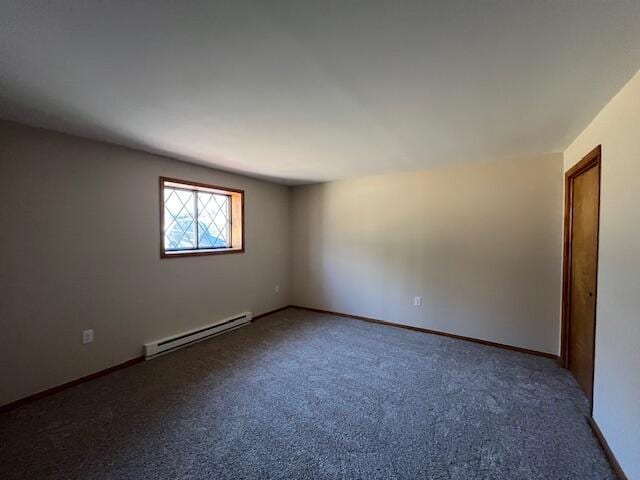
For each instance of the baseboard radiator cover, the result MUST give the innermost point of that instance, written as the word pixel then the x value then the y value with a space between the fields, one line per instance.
pixel 169 344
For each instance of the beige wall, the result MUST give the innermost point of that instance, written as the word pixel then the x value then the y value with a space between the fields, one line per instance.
pixel 481 244
pixel 617 368
pixel 80 249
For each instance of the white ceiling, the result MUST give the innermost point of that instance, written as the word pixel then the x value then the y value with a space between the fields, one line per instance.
pixel 302 91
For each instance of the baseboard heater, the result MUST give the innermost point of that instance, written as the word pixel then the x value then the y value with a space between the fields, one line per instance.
pixel 166 345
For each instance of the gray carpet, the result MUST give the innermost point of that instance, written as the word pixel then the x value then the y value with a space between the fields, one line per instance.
pixel 312 396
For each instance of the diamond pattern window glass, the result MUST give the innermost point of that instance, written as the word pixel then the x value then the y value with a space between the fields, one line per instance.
pixel 200 219
pixel 214 212
pixel 180 219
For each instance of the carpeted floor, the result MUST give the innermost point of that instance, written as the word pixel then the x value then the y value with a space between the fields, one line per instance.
pixel 313 396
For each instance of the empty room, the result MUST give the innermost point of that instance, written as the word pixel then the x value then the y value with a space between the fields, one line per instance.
pixel 303 239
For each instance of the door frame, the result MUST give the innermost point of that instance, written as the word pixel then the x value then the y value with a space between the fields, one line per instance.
pixel 592 159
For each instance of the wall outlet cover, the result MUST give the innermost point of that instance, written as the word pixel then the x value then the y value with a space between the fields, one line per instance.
pixel 87 336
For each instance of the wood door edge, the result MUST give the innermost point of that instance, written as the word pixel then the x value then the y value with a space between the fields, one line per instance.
pixel 590 160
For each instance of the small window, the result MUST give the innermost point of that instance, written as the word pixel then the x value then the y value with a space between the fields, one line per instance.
pixel 200 219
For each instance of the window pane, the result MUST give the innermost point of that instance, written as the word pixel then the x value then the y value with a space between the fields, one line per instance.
pixel 179 219
pixel 213 220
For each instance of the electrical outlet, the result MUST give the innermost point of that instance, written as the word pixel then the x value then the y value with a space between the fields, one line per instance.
pixel 417 301
pixel 277 289
pixel 87 336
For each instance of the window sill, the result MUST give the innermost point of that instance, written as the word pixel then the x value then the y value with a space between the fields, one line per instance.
pixel 199 253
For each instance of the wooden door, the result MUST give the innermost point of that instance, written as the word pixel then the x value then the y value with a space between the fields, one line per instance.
pixel 581 269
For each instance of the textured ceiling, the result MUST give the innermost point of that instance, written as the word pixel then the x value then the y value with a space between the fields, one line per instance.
pixel 302 91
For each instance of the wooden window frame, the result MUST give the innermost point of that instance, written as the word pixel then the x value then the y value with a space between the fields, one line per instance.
pixel 237 219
